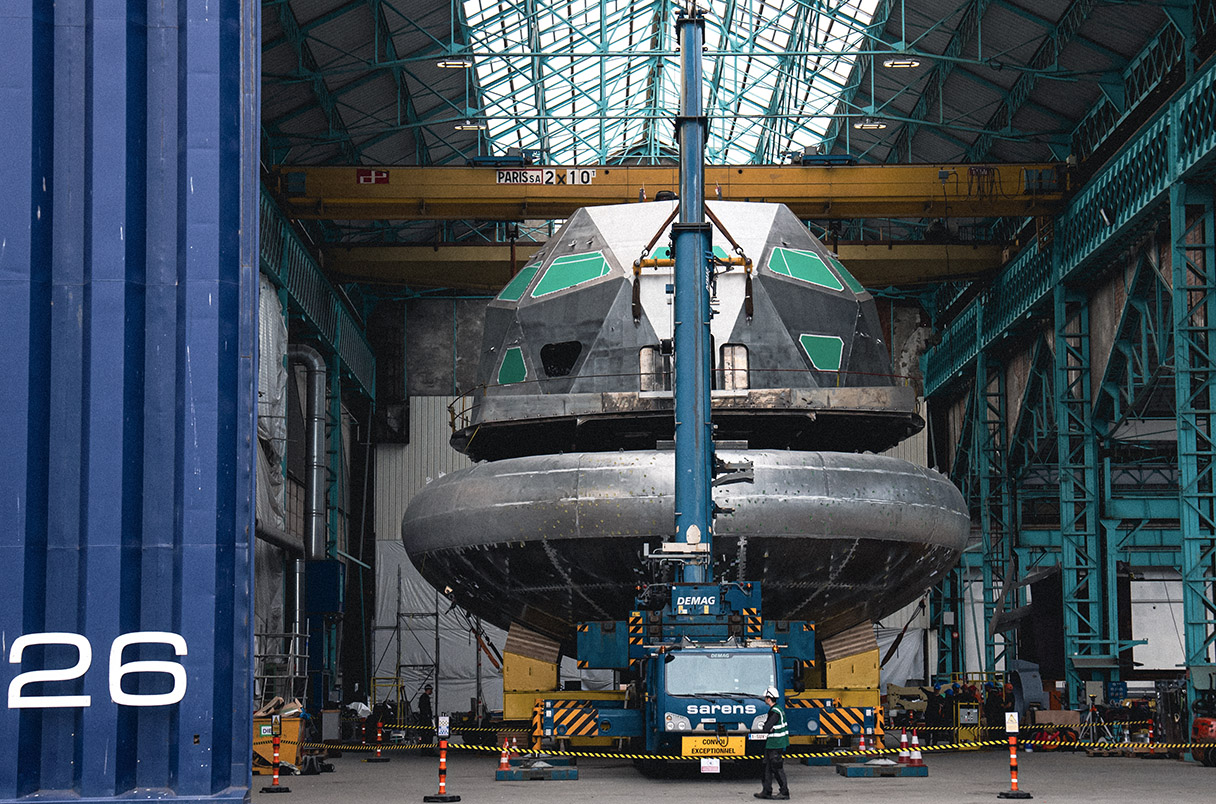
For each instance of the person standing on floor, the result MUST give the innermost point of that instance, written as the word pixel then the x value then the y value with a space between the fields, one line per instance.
pixel 426 718
pixel 774 748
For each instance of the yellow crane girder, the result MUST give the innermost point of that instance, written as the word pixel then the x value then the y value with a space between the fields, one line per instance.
pixel 488 267
pixel 551 193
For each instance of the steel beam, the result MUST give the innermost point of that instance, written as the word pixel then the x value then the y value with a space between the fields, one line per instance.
pixel 1089 645
pixel 489 266
pixel 1193 232
pixel 1047 55
pixel 946 609
pixel 449 193
pixel 1179 144
pixel 965 31
pixel 994 503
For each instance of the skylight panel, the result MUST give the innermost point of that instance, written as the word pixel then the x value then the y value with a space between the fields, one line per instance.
pixel 590 80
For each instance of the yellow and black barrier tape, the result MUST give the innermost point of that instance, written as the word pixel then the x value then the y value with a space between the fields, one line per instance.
pixel 351 746
pixel 1040 727
pixel 521 726
pixel 1055 745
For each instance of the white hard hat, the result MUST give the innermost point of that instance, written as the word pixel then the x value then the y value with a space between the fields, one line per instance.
pixel 771 692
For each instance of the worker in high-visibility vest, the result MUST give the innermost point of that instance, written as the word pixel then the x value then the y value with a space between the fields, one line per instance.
pixel 774 748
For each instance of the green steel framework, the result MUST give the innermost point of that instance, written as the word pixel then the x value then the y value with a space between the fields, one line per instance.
pixel 1116 510
pixel 1193 257
pixel 596 80
pixel 995 505
pixel 1088 643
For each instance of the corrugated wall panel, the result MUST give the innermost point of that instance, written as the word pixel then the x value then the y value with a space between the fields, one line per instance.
pixel 402 471
pixel 128 287
pixel 915 448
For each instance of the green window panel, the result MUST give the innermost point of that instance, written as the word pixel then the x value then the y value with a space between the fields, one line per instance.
pixel 512 368
pixel 848 278
pixel 825 351
pixel 516 287
pixel 570 270
pixel 664 253
pixel 805 266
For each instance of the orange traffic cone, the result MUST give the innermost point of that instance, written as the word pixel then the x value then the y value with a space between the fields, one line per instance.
pixel 504 762
pixel 915 760
pixel 514 745
pixel 904 756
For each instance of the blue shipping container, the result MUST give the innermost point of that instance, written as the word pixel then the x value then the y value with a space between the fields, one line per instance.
pixel 128 282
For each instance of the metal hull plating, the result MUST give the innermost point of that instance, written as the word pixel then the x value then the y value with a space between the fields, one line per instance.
pixel 551 540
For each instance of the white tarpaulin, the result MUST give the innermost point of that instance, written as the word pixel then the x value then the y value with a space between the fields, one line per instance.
pixel 406 608
pixel 414 623
pixel 908 661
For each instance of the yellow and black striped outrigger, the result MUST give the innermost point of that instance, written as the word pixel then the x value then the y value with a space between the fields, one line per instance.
pixel 637 631
pixel 571 718
pixel 752 623
pixel 836 721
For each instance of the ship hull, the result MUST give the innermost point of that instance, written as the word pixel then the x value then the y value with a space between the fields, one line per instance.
pixel 552 540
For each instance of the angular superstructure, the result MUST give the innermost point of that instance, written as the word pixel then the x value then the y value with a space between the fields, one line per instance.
pixel 574 418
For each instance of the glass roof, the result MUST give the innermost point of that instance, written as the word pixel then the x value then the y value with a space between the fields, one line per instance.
pixel 775 71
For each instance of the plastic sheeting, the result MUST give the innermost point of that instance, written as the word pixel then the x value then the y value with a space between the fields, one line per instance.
pixel 407 608
pixel 908 661
pixel 270 562
pixel 272 404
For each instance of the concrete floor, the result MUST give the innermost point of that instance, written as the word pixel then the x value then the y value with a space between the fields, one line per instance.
pixel 954 778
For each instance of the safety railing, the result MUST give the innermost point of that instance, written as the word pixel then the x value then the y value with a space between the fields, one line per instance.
pixel 287 261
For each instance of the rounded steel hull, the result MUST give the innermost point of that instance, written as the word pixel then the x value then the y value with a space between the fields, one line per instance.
pixel 551 540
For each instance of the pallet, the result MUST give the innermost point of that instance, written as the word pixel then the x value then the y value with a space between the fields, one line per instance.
pixel 860 770
pixel 517 762
pixel 1128 751
pixel 536 774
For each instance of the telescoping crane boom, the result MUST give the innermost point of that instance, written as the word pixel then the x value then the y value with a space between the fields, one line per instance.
pixel 698 652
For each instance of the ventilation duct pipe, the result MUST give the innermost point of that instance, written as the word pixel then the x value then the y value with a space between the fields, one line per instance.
pixel 314 488
pixel 279 538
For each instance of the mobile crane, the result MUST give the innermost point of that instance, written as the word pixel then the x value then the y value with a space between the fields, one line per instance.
pixel 700 651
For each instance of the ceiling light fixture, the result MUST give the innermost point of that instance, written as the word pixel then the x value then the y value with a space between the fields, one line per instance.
pixel 870 124
pixel 454 64
pixel 902 62
pixel 469 125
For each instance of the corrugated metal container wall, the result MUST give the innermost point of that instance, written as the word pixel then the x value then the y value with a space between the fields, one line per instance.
pixel 128 285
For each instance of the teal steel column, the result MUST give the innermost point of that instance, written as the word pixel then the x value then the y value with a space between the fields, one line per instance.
pixel 994 503
pixel 1085 634
pixel 1194 278
pixel 946 619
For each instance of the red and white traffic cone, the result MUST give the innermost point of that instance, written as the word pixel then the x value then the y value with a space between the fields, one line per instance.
pixel 1152 749
pixel 379 743
pixel 914 759
pixel 443 795
pixel 1013 791
pixel 904 755
pixel 504 760
pixel 515 745
pixel 274 786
